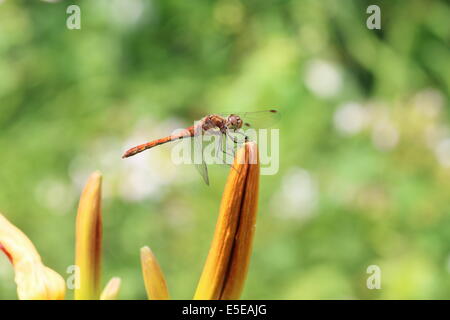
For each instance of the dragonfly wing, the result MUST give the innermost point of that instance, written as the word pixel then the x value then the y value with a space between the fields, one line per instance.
pixel 257 119
pixel 203 170
pixel 198 147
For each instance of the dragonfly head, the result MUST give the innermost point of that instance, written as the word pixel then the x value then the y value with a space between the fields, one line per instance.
pixel 234 122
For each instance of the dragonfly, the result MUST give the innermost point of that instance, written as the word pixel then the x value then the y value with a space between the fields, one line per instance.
pixel 224 125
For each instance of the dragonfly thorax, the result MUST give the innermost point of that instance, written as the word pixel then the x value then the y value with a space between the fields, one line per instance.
pixel 232 122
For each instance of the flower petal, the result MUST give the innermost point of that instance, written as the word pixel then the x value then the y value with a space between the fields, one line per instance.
pixel 155 283
pixel 89 240
pixel 34 280
pixel 227 263
pixel 111 290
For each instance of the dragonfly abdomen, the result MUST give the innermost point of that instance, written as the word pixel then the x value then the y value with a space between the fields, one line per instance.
pixel 189 132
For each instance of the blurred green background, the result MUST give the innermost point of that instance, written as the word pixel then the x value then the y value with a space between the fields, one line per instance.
pixel 364 173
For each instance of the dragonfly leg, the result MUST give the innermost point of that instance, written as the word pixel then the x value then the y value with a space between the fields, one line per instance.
pixel 227 153
pixel 242 134
pixel 219 147
pixel 230 165
pixel 234 139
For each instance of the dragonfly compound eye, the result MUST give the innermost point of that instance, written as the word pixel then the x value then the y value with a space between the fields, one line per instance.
pixel 234 121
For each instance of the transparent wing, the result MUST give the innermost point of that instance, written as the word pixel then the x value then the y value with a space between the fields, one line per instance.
pixel 203 170
pixel 226 149
pixel 198 147
pixel 257 119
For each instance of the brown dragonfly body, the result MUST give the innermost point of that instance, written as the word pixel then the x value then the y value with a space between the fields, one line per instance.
pixel 223 125
pixel 213 121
